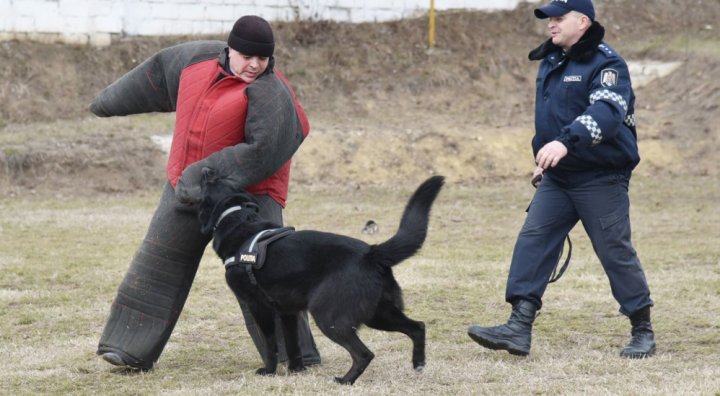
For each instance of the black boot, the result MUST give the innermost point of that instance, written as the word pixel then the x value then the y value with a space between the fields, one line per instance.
pixel 642 344
pixel 514 336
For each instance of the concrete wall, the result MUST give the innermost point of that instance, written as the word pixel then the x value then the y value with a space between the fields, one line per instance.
pixel 96 21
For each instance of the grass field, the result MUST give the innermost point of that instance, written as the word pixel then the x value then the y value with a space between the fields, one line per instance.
pixel 61 261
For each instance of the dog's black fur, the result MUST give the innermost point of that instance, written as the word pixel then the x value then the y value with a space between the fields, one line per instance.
pixel 343 282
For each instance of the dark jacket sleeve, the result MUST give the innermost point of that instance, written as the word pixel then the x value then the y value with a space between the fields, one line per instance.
pixel 609 105
pixel 273 132
pixel 152 86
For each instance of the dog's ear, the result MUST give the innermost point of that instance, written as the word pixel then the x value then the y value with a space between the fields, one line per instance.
pixel 207 228
pixel 208 175
pixel 252 205
pixel 234 183
pixel 206 219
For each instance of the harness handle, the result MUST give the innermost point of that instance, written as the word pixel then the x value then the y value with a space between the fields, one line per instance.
pixel 251 255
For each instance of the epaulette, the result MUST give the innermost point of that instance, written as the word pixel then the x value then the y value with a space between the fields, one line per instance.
pixel 605 49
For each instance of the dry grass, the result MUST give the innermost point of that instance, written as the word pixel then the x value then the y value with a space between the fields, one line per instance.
pixel 61 261
pixel 63 254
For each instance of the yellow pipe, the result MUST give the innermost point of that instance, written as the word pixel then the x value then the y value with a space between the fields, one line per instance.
pixel 431 25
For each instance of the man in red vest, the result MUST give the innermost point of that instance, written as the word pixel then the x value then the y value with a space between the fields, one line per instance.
pixel 235 113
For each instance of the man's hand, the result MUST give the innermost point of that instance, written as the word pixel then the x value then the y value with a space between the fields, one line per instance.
pixel 551 154
pixel 188 189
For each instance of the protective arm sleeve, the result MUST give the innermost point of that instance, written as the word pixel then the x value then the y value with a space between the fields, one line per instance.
pixel 610 98
pixel 152 86
pixel 273 132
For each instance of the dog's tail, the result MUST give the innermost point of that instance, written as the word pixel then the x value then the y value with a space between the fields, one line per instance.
pixel 413 226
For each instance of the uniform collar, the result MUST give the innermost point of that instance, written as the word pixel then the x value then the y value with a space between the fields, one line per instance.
pixel 583 50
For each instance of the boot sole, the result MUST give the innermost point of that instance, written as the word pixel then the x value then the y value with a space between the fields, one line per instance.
pixel 498 345
pixel 117 360
pixel 638 355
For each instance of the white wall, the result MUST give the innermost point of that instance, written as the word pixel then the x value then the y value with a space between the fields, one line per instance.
pixel 95 21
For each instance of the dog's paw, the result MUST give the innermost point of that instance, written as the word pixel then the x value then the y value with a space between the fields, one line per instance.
pixel 342 381
pixel 264 371
pixel 297 369
pixel 419 367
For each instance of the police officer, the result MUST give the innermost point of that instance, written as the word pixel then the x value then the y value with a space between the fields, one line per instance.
pixel 585 147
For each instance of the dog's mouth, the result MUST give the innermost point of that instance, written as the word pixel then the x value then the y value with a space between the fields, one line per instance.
pixel 219 194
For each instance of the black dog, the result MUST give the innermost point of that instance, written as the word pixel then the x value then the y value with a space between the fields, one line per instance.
pixel 343 282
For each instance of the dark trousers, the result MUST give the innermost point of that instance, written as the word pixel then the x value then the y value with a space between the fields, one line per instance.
pixel 155 288
pixel 600 201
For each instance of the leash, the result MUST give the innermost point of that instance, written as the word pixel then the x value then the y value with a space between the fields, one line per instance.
pixel 556 274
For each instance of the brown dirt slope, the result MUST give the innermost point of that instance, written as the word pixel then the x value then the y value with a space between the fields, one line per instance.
pixel 382 105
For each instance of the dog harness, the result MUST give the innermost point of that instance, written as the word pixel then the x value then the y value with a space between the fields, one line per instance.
pixel 251 254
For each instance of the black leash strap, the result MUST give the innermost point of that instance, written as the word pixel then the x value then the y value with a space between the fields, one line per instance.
pixel 556 274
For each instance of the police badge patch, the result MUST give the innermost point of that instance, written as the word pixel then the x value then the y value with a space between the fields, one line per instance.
pixel 608 77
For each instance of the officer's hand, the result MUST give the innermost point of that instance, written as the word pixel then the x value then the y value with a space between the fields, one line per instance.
pixel 551 154
pixel 188 189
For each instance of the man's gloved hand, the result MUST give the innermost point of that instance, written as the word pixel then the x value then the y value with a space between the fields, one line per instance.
pixel 188 189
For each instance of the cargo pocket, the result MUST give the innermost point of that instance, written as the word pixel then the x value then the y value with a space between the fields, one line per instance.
pixel 616 234
pixel 607 222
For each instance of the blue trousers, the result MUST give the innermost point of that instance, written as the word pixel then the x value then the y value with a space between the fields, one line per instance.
pixel 600 201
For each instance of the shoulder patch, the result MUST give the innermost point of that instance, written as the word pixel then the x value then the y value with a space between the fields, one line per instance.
pixel 608 77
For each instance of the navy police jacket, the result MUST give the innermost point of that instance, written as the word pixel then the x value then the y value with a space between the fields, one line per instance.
pixel 584 99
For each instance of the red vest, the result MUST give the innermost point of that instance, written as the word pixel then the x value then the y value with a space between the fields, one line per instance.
pixel 210 115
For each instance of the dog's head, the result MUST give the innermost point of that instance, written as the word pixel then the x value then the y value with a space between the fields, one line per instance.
pixel 219 194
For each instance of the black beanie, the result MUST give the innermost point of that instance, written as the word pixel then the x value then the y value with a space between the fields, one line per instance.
pixel 252 35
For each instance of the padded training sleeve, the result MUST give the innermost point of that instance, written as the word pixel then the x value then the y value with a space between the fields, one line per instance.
pixel 152 86
pixel 273 132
